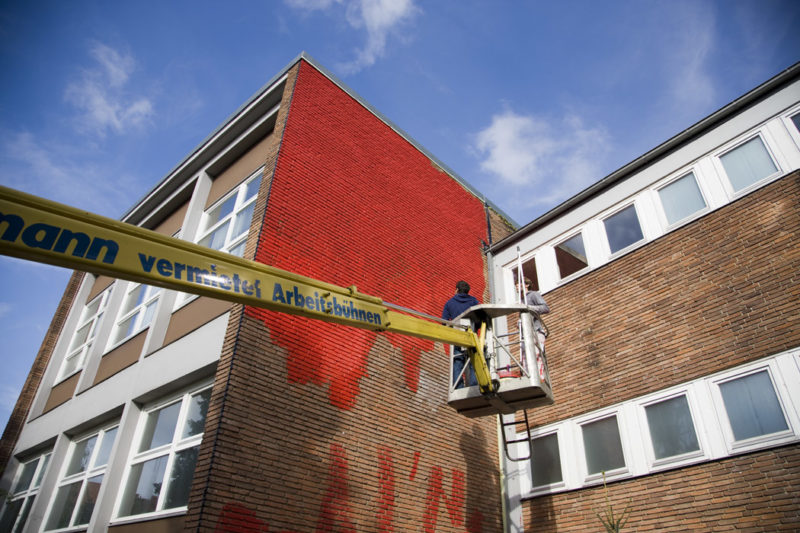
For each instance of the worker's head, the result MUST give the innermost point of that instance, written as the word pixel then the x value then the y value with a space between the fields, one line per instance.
pixel 462 287
pixel 528 284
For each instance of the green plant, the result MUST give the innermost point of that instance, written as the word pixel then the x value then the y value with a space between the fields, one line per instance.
pixel 611 521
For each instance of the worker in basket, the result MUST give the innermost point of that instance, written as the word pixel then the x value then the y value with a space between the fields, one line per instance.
pixel 460 302
pixel 533 299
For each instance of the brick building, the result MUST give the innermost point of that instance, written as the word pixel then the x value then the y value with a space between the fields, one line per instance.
pixel 674 351
pixel 151 410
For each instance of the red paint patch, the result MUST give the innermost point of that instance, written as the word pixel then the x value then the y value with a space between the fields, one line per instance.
pixel 239 519
pixel 352 203
pixel 335 512
pixel 453 504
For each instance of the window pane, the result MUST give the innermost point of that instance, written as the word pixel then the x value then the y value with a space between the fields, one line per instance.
pixel 81 335
pixel 747 164
pixel 149 311
pixel 105 447
pixel 72 362
pixel 196 418
pixel 143 487
pixel 81 455
pixel 602 446
pixel 752 406
pixel 681 198
pixel 546 463
pixel 528 271
pixel 571 256
pixel 243 218
pixel 623 229
pixel 10 514
pixel 671 428
pixel 180 481
pixel 160 427
pixel 45 461
pixel 133 299
pixel 26 476
pixel 796 121
pixel 221 211
pixel 63 506
pixel 252 188
pixel 238 250
pixel 125 328
pixel 89 499
pixel 216 239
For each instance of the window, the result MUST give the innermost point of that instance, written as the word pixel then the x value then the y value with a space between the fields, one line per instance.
pixel 545 461
pixel 681 198
pixel 671 428
pixel 136 312
pixel 571 256
pixel 796 121
pixel 623 229
pixel 162 467
pixel 80 482
pixel 23 491
pixel 752 406
pixel 225 225
pixel 528 271
pixel 602 446
pixel 84 335
pixel 747 164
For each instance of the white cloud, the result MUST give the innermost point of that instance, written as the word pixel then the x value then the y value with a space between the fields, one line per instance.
pixel 100 94
pixel 540 162
pixel 379 18
pixel 55 171
pixel 686 58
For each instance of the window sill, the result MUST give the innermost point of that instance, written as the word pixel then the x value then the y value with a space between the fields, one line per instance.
pixel 148 517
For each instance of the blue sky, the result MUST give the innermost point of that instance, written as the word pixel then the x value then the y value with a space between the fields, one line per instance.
pixel 530 102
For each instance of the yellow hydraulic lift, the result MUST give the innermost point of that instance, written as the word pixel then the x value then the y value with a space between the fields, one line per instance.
pixel 48 232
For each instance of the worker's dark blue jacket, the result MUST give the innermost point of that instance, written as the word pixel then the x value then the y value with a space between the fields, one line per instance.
pixel 457 305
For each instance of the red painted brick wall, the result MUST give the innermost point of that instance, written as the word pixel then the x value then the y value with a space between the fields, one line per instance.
pixel 712 295
pixel 317 427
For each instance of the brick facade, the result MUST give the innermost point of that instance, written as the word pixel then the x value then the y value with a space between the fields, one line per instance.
pixel 714 294
pixel 318 427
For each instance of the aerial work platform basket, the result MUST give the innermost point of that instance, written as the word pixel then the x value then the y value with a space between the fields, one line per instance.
pixel 512 372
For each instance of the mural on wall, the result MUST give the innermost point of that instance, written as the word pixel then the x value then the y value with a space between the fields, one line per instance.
pixel 353 203
pixel 334 513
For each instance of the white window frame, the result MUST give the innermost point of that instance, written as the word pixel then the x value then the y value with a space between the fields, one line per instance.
pixel 754 443
pixel 29 494
pixel 558 431
pixel 93 322
pixel 661 212
pixel 717 161
pixel 794 132
pixel 595 478
pixel 607 243
pixel 647 441
pixel 170 450
pixel 139 311
pixel 90 472
pixel 240 204
pixel 564 238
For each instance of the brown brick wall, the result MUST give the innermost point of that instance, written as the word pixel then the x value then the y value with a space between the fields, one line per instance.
pixel 278 455
pixel 712 295
pixel 753 493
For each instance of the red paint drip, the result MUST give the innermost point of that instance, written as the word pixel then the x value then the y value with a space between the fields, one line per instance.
pixel 414 467
pixel 353 203
pixel 335 512
pixel 237 518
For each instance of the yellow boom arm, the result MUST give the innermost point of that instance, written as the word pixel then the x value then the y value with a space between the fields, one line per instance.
pixel 47 232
